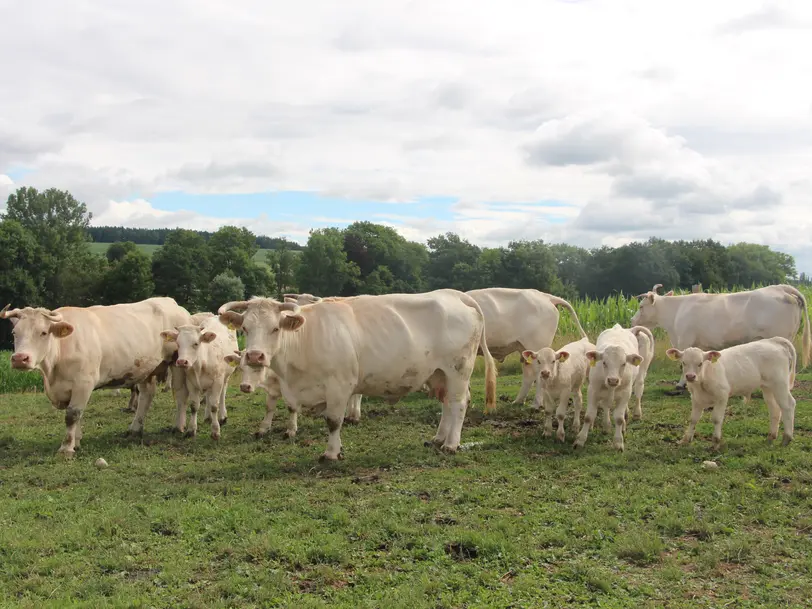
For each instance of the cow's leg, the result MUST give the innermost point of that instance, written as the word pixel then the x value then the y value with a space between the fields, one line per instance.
pixel 293 421
pixel 457 405
pixel 528 378
pixel 334 416
pixel 718 416
pixel 77 436
pixel 267 421
pixel 549 408
pixel 592 399
pixel 619 415
pixel 445 423
pixel 181 393
pixel 638 388
pixel 132 404
pixel 353 409
pixel 561 412
pixel 194 403
pixel 222 413
pixel 786 402
pixel 213 397
pixel 607 407
pixel 73 417
pixel 697 408
pixel 146 393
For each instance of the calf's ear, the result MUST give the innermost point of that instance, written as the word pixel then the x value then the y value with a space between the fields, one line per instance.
pixel 562 356
pixel 712 356
pixel 593 357
pixel 207 337
pixel 232 359
pixel 169 336
pixel 231 319
pixel 527 356
pixel 634 359
pixel 61 329
pixel 674 354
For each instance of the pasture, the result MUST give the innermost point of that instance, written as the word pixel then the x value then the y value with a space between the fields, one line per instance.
pixel 514 520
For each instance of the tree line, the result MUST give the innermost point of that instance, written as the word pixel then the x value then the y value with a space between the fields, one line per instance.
pixel 46 260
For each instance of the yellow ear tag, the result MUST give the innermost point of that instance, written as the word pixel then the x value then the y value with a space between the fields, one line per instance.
pixel 714 359
pixel 168 339
pixel 231 326
pixel 592 363
pixel 528 360
pixel 232 363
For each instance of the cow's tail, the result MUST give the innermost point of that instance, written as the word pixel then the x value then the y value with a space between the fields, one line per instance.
pixel 637 331
pixel 792 357
pixel 806 339
pixel 560 302
pixel 490 365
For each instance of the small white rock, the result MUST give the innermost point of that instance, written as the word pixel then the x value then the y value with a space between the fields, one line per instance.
pixel 101 462
pixel 710 464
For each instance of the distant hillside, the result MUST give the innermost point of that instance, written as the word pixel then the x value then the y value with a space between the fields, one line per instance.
pixel 149 248
pixel 157 236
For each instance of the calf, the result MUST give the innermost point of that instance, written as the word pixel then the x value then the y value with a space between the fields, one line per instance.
pixel 202 349
pixel 560 374
pixel 713 377
pixel 267 380
pixel 611 383
pixel 80 349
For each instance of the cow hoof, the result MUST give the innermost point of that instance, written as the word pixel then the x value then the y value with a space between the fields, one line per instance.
pixel 65 454
pixel 223 421
pixel 786 440
pixel 351 421
pixel 190 434
pixel 215 435
pixel 577 445
pixel 324 458
pixel 771 437
pixel 619 446
pixel 637 417
pixel 135 433
pixel 449 450
pixel 560 437
pixel 289 434
pixel 258 435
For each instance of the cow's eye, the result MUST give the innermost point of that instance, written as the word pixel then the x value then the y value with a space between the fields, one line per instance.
pixel 196 345
pixel 44 334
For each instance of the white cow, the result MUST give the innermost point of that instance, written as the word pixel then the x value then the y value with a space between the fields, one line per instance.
pixel 385 346
pixel 267 380
pixel 716 321
pixel 715 376
pixel 559 375
pixel 80 349
pixel 613 375
pixel 519 320
pixel 202 349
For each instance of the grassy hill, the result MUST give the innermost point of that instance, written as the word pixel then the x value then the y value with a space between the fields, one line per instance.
pixel 101 249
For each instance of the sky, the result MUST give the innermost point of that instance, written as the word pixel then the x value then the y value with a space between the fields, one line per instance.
pixel 590 122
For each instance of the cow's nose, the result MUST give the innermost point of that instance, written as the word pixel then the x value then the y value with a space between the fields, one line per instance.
pixel 182 363
pixel 246 387
pixel 690 377
pixel 20 359
pixel 612 381
pixel 255 357
pixel 545 374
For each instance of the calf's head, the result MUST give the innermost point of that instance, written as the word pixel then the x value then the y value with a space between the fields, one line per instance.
pixel 613 361
pixel 545 361
pixel 693 360
pixel 262 320
pixel 252 376
pixel 189 338
pixel 36 332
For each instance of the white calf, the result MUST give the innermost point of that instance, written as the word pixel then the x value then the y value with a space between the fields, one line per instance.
pixel 712 377
pixel 611 383
pixel 560 374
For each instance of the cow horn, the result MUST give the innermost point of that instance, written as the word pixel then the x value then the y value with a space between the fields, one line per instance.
pixel 55 317
pixel 656 287
pixel 5 313
pixel 293 296
pixel 234 305
pixel 289 306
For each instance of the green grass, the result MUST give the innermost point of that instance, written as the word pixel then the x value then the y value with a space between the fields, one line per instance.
pixel 515 521
pixel 101 249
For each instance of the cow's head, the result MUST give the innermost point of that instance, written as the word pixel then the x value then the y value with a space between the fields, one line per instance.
pixel 263 321
pixel 35 334
pixel 693 359
pixel 188 338
pixel 301 299
pixel 613 361
pixel 546 361
pixel 646 314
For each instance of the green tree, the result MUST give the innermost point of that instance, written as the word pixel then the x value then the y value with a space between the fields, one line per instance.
pixel 751 263
pixel 324 269
pixel 445 253
pixel 232 248
pixel 181 269
pixel 258 280
pixel 224 288
pixel 116 251
pixel 19 255
pixel 128 278
pixel 283 263
pixel 530 264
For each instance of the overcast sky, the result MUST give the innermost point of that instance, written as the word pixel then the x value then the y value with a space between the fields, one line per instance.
pixel 585 121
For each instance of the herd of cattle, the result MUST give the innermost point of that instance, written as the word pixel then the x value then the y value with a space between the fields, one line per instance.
pixel 324 354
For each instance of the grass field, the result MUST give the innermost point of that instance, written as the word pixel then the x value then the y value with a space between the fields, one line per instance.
pixel 101 249
pixel 516 520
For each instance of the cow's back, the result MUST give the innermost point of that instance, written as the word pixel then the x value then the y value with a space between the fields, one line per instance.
pixel 617 335
pixel 515 315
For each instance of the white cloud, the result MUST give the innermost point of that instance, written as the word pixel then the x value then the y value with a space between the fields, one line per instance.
pixel 678 120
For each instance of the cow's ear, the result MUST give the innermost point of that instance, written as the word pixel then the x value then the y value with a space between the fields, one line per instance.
pixel 528 356
pixel 231 319
pixel 232 359
pixel 291 322
pixel 712 356
pixel 593 357
pixel 61 329
pixel 650 296
pixel 562 356
pixel 169 336
pixel 207 337
pixel 634 359
pixel 674 354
